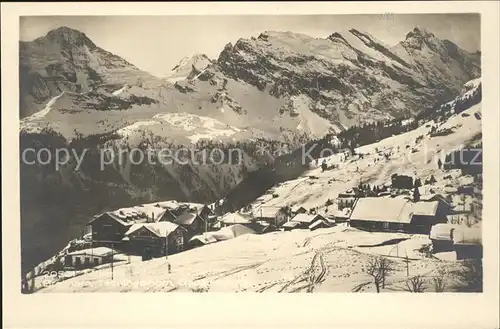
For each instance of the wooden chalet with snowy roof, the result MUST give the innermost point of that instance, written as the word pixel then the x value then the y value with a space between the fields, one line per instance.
pixel 192 222
pixel 397 215
pixel 306 221
pixel 108 228
pixel 155 239
pixel 271 214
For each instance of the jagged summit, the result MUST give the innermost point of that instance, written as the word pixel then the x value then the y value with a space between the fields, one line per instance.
pixel 69 36
pixel 196 62
pixel 419 31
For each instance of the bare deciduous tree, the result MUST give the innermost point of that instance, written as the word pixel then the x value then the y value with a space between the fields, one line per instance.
pixel 379 268
pixel 415 284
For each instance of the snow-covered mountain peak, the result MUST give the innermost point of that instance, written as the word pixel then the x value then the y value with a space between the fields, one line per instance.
pixel 196 62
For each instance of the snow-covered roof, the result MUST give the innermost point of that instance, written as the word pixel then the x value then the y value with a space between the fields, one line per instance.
pixel 193 205
pixel 170 204
pixel 160 229
pixel 428 208
pixel 231 232
pixel 120 219
pixel 381 210
pixel 442 231
pixel 99 251
pixel 204 238
pixel 398 210
pixel 306 218
pixel 316 224
pixel 267 211
pixel 235 218
pixel 151 210
pixel 186 218
pixel 344 213
pixel 290 224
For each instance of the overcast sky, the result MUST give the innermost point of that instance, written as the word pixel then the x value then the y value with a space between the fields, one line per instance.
pixel 157 43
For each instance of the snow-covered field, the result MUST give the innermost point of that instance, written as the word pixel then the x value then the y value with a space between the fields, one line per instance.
pixel 205 127
pixel 325 260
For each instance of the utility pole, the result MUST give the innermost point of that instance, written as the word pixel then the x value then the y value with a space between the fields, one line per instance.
pixel 92 250
pixel 407 261
pixel 112 259
pixel 166 252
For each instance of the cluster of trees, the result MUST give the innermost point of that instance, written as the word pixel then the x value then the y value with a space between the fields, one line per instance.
pixel 369 133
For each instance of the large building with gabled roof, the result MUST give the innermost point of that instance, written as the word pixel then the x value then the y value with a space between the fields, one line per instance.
pixel 394 214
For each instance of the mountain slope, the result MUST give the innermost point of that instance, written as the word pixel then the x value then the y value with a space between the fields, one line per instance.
pixel 67 60
pixel 188 67
pixel 414 153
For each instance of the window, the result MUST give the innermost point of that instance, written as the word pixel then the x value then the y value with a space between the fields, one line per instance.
pixel 87 260
pixel 385 225
pixel 96 261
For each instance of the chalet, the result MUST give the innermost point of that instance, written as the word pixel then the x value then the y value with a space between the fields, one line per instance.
pixel 193 223
pixel 426 214
pixel 201 240
pixel 401 215
pixel 436 197
pixel 319 224
pixel 271 214
pixel 169 215
pixel 305 221
pixel 231 232
pixel 298 209
pixel 153 211
pixel 441 236
pixel 233 218
pixel 290 225
pixel 467 243
pixel 175 210
pixel 341 216
pixel 155 239
pixel 206 214
pixel 109 229
pixel 261 227
pixel 89 257
pixel 346 199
